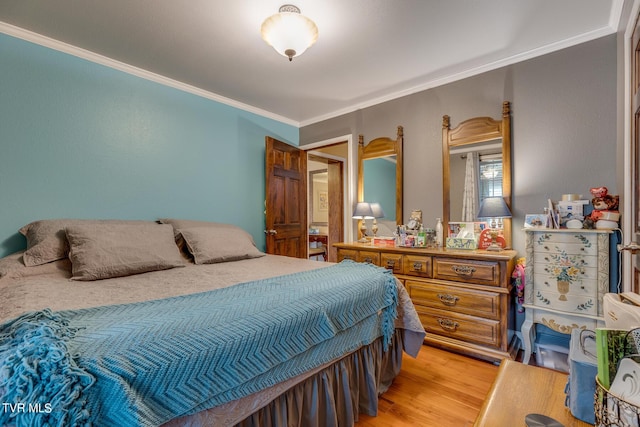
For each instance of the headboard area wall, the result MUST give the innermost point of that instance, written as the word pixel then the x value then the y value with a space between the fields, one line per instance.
pixel 81 140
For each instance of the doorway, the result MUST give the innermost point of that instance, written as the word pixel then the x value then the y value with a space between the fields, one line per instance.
pixel 326 198
pixel 631 200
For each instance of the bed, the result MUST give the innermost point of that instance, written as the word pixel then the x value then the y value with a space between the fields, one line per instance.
pixel 186 323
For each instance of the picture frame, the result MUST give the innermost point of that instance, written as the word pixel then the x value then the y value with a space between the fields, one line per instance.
pixel 319 197
pixel 476 226
pixel 536 221
pixel 323 201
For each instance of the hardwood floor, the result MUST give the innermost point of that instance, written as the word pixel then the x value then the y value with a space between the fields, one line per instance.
pixel 438 388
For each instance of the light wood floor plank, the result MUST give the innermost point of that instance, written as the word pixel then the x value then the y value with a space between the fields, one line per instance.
pixel 438 388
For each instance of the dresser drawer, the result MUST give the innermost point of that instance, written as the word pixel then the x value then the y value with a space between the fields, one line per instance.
pixel 577 304
pixel 392 261
pixel 459 300
pixel 583 287
pixel 417 265
pixel 347 254
pixel 462 270
pixel 572 243
pixel 372 257
pixel 459 326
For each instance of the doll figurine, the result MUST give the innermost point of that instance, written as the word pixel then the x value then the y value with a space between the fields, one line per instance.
pixel 519 282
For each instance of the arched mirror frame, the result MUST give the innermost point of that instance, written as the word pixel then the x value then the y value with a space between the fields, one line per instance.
pixel 474 131
pixel 377 148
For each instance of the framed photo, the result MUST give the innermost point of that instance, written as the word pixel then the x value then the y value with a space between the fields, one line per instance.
pixel 456 227
pixel 323 201
pixel 535 221
pixel 319 197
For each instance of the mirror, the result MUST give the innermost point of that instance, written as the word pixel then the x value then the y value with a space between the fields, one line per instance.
pixel 490 141
pixel 380 174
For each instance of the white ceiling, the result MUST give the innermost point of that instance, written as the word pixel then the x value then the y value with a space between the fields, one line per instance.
pixel 368 51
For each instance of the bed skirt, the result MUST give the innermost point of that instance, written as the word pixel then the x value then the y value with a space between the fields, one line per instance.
pixel 333 396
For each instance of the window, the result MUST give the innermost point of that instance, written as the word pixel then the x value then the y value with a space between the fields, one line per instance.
pixel 490 182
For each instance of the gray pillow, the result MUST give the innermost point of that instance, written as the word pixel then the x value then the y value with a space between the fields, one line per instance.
pixel 210 245
pixel 101 251
pixel 47 241
pixel 13 266
pixel 181 224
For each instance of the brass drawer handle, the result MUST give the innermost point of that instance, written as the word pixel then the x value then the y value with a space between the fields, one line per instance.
pixel 417 266
pixel 391 264
pixel 463 270
pixel 448 324
pixel 368 260
pixel 347 257
pixel 448 299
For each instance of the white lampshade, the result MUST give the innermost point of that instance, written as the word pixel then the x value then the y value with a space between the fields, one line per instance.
pixel 376 208
pixel 363 211
pixel 289 32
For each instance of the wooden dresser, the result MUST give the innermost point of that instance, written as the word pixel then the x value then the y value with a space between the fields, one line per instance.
pixel 463 298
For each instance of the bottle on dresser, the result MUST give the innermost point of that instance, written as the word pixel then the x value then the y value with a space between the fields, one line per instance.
pixel 439 231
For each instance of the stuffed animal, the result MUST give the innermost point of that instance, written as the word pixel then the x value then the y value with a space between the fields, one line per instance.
pixel 606 203
pixel 605 207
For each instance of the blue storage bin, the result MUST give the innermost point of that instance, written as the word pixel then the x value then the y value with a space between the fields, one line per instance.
pixel 583 369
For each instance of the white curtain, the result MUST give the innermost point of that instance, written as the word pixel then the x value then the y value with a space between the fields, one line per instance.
pixel 470 194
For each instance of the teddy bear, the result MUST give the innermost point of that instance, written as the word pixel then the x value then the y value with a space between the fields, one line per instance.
pixel 605 207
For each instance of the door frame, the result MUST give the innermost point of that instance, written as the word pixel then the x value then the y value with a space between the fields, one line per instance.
pixel 350 182
pixel 628 214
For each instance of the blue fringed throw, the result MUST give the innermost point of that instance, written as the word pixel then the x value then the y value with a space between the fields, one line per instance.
pixel 146 363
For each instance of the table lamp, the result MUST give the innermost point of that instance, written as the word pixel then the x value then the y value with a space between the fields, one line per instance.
pixel 494 208
pixel 362 212
pixel 376 208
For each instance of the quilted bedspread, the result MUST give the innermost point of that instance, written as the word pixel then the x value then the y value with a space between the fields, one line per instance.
pixel 148 362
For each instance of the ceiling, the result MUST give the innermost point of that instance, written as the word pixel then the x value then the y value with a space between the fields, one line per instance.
pixel 368 51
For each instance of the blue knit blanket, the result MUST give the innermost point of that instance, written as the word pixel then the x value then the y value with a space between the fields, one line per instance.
pixel 146 363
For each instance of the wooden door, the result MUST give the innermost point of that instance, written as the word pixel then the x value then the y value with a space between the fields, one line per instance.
pixel 635 143
pixel 286 202
pixel 336 207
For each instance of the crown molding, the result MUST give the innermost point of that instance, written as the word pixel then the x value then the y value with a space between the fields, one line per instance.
pixel 39 39
pixel 450 78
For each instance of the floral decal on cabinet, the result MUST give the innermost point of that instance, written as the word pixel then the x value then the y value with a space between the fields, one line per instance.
pixel 567 269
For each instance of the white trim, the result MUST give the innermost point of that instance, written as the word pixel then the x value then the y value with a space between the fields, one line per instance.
pixel 50 43
pixel 349 183
pixel 462 150
pixel 39 39
pixel 617 9
pixel 627 211
pixel 326 155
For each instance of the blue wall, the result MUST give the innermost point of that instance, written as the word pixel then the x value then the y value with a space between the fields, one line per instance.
pixel 81 140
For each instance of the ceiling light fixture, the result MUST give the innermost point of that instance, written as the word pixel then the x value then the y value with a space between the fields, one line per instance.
pixel 289 32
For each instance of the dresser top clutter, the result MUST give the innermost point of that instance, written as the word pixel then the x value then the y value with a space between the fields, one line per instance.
pixel 477 254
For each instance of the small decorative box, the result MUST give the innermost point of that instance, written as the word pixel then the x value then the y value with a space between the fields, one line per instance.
pixel 385 242
pixel 461 243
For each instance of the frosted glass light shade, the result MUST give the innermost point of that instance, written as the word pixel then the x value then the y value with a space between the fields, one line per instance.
pixel 289 32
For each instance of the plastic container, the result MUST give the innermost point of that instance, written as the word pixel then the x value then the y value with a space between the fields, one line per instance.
pixel 439 235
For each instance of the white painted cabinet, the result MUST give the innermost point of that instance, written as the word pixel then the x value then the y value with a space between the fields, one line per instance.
pixel 566 276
